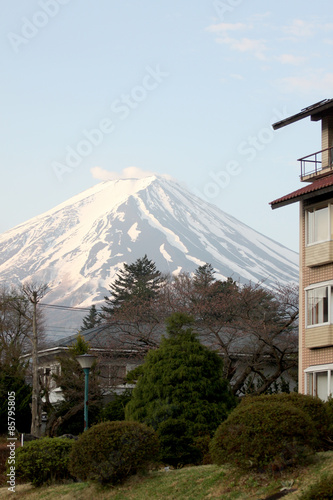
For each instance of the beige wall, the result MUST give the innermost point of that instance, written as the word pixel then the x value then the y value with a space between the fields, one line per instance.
pixel 309 276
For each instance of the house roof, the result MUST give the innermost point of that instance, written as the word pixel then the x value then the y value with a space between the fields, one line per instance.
pixel 119 337
pixel 96 337
pixel 316 111
pixel 323 185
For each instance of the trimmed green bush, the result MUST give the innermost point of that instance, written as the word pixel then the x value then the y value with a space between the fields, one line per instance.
pixel 265 436
pixel 320 490
pixel 314 407
pixel 181 393
pixel 109 452
pixel 44 461
pixel 176 444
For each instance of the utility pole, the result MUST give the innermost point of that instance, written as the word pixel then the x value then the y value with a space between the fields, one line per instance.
pixel 34 293
pixel 35 413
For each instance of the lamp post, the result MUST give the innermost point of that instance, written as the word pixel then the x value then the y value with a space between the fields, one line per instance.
pixel 86 362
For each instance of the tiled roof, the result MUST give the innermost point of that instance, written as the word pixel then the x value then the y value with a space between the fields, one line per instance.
pixel 324 184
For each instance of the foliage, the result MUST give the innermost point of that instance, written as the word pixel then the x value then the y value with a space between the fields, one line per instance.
pixel 12 381
pixel 133 376
pixel 181 393
pixel 91 320
pixel 314 407
pixel 252 327
pixel 44 461
pixel 115 409
pixel 109 452
pixel 67 415
pixel 80 347
pixel 137 283
pixel 265 436
pixel 329 407
pixel 322 489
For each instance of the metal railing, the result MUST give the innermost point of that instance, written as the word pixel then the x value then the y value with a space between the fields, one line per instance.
pixel 313 164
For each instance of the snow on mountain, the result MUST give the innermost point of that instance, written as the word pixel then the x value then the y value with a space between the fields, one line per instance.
pixel 79 246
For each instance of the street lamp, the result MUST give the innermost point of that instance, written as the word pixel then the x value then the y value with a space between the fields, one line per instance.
pixel 86 362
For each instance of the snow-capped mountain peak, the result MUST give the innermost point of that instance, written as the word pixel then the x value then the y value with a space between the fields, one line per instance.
pixel 78 246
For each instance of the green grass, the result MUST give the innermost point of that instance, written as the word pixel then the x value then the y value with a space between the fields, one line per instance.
pixel 190 483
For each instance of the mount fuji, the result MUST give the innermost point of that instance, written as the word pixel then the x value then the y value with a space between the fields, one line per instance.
pixel 79 246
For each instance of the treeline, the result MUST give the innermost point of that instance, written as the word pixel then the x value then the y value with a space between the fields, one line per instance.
pixel 254 328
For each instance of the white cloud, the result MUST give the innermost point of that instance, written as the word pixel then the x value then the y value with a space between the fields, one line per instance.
pixel 290 59
pixel 256 47
pixel 300 29
pixel 318 82
pixel 128 173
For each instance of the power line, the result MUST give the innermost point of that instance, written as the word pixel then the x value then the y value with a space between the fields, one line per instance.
pixel 66 308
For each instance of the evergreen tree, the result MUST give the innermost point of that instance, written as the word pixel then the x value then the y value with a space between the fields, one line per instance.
pixel 91 320
pixel 181 393
pixel 204 276
pixel 137 284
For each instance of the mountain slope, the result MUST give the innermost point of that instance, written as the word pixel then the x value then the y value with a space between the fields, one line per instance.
pixel 79 246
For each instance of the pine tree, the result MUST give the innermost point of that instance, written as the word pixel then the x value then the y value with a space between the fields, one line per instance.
pixel 181 393
pixel 138 283
pixel 204 276
pixel 91 320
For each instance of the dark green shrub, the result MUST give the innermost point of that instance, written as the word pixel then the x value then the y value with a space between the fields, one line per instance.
pixel 111 451
pixel 44 461
pixel 320 490
pixel 329 407
pixel 176 445
pixel 264 436
pixel 115 409
pixel 314 407
pixel 181 393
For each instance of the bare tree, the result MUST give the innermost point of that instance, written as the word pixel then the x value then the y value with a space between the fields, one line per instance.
pixel 256 331
pixel 252 327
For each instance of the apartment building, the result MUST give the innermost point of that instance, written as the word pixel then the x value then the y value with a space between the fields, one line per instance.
pixel 316 255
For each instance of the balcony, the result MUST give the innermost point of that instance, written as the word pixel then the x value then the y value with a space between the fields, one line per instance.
pixel 316 165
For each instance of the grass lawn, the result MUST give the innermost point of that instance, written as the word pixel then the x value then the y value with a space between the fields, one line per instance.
pixel 189 483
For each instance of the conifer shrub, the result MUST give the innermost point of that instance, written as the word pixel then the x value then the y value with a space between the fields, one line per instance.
pixel 264 436
pixel 110 452
pixel 320 490
pixel 314 407
pixel 44 461
pixel 176 443
pixel 181 393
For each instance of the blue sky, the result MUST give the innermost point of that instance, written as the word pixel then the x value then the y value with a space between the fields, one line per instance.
pixel 187 88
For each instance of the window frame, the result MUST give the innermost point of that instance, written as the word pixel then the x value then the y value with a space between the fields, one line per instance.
pixel 311 373
pixel 329 285
pixel 313 209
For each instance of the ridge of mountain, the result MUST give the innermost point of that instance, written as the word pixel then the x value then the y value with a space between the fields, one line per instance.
pixel 79 246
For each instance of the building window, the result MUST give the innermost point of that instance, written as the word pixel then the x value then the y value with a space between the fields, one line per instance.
pixel 318 301
pixel 319 381
pixel 319 224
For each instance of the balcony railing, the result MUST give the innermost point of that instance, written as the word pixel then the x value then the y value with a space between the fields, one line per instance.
pixel 320 162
